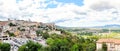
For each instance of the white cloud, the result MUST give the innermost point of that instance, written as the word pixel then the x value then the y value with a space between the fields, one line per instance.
pixel 101 14
pixel 92 13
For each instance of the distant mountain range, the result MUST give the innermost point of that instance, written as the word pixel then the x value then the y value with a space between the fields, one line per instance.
pixel 108 26
pixel 105 26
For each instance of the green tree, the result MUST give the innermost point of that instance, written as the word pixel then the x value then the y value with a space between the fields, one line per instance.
pixel 11 24
pixel 4 47
pixel 23 48
pixel 104 47
pixel 45 35
pixel 10 34
pixel 91 47
pixel 39 32
pixel 65 42
pixel 22 29
pixel 77 47
pixel 30 46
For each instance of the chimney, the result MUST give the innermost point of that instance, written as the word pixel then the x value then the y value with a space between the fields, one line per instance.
pixel 8 19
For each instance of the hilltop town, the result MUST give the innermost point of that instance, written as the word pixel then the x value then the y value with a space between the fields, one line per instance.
pixel 21 35
pixel 18 32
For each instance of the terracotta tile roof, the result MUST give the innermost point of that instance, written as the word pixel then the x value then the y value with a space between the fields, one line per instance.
pixel 116 41
pixel 3 23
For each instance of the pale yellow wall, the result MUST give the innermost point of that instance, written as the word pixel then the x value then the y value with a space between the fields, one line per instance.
pixel 109 45
pixel 98 46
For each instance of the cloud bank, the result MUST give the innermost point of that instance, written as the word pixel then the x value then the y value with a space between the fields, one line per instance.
pixel 78 13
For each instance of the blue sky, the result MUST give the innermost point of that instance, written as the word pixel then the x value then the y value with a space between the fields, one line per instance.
pixel 68 13
pixel 76 2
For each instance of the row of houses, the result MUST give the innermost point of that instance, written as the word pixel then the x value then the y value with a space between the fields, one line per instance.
pixel 25 29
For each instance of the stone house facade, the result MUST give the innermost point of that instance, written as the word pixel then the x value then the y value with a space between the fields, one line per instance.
pixel 112 44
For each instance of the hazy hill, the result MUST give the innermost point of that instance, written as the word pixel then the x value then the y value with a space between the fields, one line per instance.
pixel 115 26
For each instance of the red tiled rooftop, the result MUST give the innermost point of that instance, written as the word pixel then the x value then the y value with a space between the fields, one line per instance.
pixel 3 23
pixel 116 41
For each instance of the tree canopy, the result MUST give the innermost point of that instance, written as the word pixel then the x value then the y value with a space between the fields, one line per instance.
pixel 62 42
pixel 30 46
pixel 4 47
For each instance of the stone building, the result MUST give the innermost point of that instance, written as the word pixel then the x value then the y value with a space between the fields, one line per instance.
pixel 3 28
pixel 112 44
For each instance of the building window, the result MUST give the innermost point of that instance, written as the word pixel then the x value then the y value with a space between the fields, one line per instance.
pixel 112 45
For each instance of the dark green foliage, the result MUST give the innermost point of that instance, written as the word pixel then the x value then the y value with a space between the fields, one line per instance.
pixel 104 47
pixel 39 27
pixel 30 46
pixel 11 24
pixel 77 47
pixel 38 32
pixel 105 30
pixel 86 33
pixel 18 28
pixel 4 47
pixel 45 35
pixel 91 47
pixel 63 31
pixel 33 26
pixel 68 42
pixel 10 34
pixel 23 48
pixel 22 30
pixel 63 42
